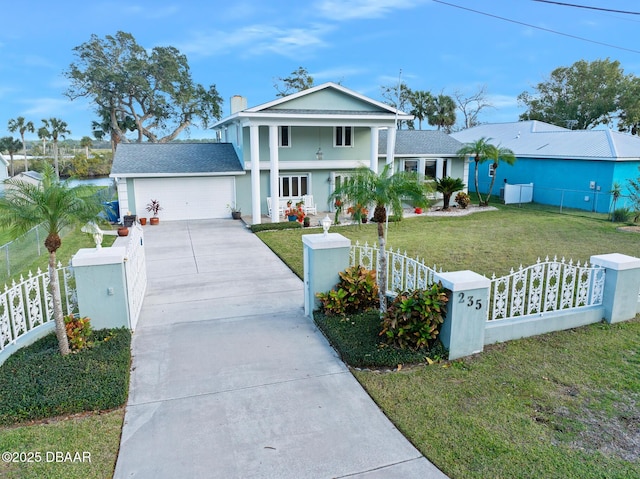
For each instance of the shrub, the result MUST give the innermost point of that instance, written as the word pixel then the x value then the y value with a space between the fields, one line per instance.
pixel 78 332
pixel 413 319
pixel 622 215
pixel 356 292
pixel 283 225
pixel 463 199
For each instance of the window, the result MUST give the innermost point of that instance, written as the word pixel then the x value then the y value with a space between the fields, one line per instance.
pixel 492 170
pixel 430 169
pixel 411 166
pixel 343 136
pixel 444 168
pixel 294 186
pixel 284 138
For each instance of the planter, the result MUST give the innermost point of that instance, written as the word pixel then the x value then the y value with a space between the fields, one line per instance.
pixel 292 217
pixel 123 231
pixel 129 220
pixel 236 215
pixel 364 219
pixel 154 221
pixel 143 221
pixel 306 222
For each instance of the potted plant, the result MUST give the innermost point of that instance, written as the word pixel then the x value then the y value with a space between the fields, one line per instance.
pixel 306 222
pixel 295 213
pixel 123 231
pixel 236 214
pixel 358 213
pixel 154 207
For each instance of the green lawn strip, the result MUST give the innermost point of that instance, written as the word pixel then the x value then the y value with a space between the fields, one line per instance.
pixel 37 383
pixel 96 434
pixel 557 405
pixel 485 242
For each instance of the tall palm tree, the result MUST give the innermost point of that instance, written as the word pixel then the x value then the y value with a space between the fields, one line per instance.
pixel 498 154
pixel 56 128
pixel 480 151
pixel 365 187
pixel 22 126
pixel 56 205
pixel 86 143
pixel 44 135
pixel 443 114
pixel 448 186
pixel 11 146
pixel 422 103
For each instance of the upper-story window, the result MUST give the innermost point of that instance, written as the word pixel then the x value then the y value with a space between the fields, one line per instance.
pixel 284 136
pixel 343 136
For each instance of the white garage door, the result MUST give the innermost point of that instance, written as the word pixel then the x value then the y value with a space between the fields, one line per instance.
pixel 186 198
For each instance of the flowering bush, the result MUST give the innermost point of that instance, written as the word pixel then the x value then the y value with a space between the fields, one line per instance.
pixel 358 212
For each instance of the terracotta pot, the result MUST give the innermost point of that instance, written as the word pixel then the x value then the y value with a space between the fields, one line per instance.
pixel 143 221
pixel 154 220
pixel 123 231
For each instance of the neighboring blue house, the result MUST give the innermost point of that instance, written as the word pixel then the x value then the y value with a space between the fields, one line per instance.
pixel 568 168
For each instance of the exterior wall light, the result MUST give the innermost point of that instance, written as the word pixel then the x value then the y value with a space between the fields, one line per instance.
pixel 319 154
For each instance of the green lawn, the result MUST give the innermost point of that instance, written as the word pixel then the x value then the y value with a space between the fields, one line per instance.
pixel 562 405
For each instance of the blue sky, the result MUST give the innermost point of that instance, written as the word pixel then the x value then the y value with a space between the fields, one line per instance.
pixel 244 45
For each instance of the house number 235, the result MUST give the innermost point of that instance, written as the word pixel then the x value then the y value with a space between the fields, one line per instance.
pixel 469 301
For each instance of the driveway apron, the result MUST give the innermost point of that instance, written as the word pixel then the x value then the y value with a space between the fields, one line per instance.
pixel 230 379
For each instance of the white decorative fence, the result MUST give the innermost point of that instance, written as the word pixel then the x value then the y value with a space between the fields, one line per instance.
pixel 135 273
pixel 403 273
pixel 28 305
pixel 549 285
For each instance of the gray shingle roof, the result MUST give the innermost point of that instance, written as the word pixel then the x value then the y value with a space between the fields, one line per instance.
pixel 420 142
pixel 537 139
pixel 175 158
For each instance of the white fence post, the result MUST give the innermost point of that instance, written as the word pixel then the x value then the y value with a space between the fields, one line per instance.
pixel 621 286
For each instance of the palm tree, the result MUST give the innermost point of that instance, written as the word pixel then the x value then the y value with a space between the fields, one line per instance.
pixel 56 205
pixel 44 135
pixel 22 126
pixel 365 187
pixel 422 103
pixel 443 114
pixel 498 154
pixel 480 150
pixel 448 186
pixel 55 129
pixel 11 146
pixel 86 143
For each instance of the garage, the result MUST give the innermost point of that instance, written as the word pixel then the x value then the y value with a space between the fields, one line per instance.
pixel 189 180
pixel 186 198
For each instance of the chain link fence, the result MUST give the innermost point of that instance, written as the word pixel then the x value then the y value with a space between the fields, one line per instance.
pixel 19 255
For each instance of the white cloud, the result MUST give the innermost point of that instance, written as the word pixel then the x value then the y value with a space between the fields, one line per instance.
pixel 258 39
pixel 46 107
pixel 352 9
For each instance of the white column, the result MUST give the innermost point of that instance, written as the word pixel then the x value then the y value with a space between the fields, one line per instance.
pixel 439 164
pixel 254 134
pixel 391 144
pixel 274 173
pixel 373 161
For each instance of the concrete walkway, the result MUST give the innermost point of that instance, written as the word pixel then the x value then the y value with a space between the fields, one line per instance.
pixel 230 380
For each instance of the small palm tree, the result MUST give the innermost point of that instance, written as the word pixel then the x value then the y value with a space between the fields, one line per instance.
pixel 11 146
pixel 616 193
pixel 56 205
pixel 365 187
pixel 448 186
pixel 22 126
pixel 498 154
pixel 480 150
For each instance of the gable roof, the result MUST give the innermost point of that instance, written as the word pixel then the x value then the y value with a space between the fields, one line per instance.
pixel 175 159
pixel 420 143
pixel 322 102
pixel 537 139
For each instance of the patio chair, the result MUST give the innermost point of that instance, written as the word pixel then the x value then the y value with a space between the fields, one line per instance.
pixel 309 205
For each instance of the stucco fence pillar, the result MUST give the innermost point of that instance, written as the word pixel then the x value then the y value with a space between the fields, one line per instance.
pixel 462 332
pixel 621 285
pixel 101 286
pixel 324 257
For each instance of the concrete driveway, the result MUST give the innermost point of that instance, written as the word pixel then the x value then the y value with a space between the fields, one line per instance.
pixel 230 380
